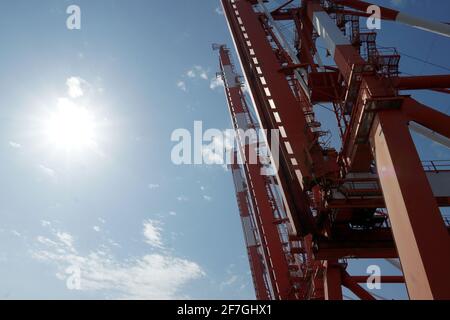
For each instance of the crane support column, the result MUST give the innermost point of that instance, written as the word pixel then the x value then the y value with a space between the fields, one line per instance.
pixel 276 263
pixel 254 257
pixel 417 226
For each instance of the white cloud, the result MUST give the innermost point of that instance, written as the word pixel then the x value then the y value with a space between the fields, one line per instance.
pixel 219 11
pixel 151 276
pixel 207 198
pixel 219 149
pixel 153 186
pixel 216 82
pixel 229 281
pixel 182 198
pixel 45 223
pixel 65 238
pixel 96 228
pixel 75 87
pixel 172 213
pixel 182 85
pixel 211 156
pixel 191 74
pixel 197 71
pixel 152 233
pixel 233 281
pixel 113 243
pixel 16 233
pixel 15 145
pixel 47 242
pixel 49 172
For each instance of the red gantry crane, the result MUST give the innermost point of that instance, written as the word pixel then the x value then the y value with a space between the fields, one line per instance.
pixel 374 198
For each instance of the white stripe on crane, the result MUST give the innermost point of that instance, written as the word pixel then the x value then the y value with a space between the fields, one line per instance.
pixel 287 47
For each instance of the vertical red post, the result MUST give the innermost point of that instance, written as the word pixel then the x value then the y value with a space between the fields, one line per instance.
pixel 333 281
pixel 255 259
pixel 421 238
pixel 276 263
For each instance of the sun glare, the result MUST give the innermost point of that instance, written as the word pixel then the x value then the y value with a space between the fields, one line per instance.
pixel 70 127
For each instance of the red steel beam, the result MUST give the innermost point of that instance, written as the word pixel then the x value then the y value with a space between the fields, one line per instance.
pixel 269 236
pixel 378 130
pixel 255 259
pixel 421 238
pixel 333 280
pixel 405 186
pixel 427 117
pixel 275 103
pixel 347 58
pixel 383 279
pixel 352 285
pixel 422 82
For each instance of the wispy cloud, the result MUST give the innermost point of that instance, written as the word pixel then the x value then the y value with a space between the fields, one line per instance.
pixel 152 233
pixel 15 145
pixel 229 281
pixel 219 11
pixel 182 85
pixel 96 228
pixel 151 276
pixel 207 198
pixel 182 198
pixel 16 233
pixel 45 223
pixel 75 87
pixel 65 238
pixel 191 74
pixel 215 83
pixel 48 242
pixel 215 152
pixel 153 186
pixel 47 171
pixel 197 72
pixel 234 281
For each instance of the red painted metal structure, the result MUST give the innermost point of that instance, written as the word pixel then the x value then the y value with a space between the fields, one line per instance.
pixel 278 261
pixel 373 198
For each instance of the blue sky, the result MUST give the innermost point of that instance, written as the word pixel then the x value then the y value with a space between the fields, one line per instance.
pixel 139 226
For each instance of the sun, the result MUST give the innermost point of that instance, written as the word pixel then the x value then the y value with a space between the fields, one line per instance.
pixel 70 127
